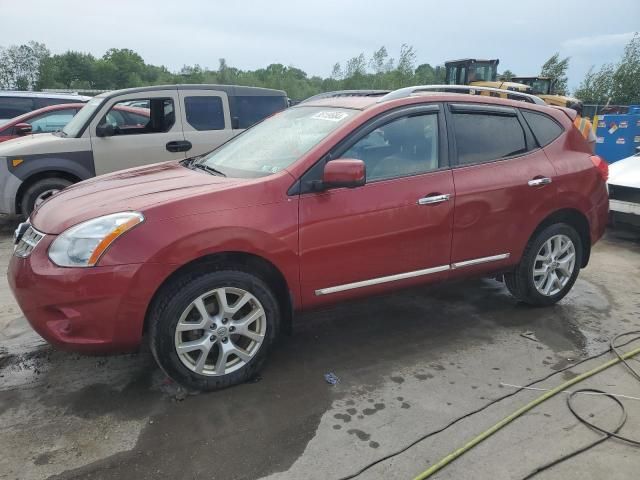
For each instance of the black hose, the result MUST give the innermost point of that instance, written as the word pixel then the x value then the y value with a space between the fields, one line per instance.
pixel 607 434
pixel 497 400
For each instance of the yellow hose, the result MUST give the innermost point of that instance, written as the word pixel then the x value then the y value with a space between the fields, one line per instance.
pixel 487 433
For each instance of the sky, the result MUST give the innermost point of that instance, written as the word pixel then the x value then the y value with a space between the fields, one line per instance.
pixel 314 35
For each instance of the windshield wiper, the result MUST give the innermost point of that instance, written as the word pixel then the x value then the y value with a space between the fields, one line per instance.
pixel 209 169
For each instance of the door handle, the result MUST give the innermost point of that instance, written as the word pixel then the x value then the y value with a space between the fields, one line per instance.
pixel 433 199
pixel 537 182
pixel 179 146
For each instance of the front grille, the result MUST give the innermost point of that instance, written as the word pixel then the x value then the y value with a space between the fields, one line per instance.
pixel 28 242
pixel 624 194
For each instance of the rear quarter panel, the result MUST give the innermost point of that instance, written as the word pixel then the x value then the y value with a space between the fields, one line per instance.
pixel 579 184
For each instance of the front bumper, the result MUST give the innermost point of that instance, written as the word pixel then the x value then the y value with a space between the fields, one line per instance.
pixel 621 206
pixel 89 310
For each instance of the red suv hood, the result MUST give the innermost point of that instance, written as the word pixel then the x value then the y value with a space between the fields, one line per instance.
pixel 134 189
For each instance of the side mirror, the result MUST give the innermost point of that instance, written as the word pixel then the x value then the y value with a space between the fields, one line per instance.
pixel 105 130
pixel 344 172
pixel 22 129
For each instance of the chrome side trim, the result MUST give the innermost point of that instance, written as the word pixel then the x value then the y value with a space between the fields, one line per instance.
pixel 478 261
pixel 376 281
pixel 416 273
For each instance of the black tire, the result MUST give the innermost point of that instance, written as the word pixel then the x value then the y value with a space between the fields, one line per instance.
pixel 174 299
pixel 32 193
pixel 520 282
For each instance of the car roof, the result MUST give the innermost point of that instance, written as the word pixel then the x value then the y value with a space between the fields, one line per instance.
pixel 357 103
pixel 365 102
pixel 64 96
pixel 476 60
pixel 230 90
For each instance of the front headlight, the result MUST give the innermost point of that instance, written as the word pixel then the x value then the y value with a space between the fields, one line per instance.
pixel 84 244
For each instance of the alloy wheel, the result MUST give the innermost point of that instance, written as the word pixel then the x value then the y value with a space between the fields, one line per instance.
pixel 220 331
pixel 554 265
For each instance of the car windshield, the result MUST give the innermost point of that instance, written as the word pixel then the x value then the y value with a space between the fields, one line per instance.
pixel 72 129
pixel 277 142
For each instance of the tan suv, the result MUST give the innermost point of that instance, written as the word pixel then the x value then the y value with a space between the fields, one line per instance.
pixel 128 128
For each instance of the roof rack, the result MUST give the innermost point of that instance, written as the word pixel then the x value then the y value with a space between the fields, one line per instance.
pixel 470 89
pixel 347 93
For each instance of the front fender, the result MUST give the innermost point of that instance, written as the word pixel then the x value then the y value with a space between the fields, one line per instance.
pixel 79 164
pixel 267 231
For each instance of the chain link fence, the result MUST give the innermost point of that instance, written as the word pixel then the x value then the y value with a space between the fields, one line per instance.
pixel 591 111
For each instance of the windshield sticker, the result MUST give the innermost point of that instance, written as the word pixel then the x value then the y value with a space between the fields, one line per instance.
pixel 330 116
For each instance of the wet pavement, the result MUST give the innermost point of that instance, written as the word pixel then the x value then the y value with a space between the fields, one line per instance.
pixel 408 363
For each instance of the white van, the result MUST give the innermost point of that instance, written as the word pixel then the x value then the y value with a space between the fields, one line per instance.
pixel 127 128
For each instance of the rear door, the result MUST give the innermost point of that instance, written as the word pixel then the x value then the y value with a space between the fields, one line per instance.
pixel 141 135
pixel 504 186
pixel 206 119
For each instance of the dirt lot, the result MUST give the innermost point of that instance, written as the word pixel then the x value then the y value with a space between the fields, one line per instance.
pixel 409 364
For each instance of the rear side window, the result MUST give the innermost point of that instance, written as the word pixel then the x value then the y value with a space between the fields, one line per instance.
pixel 482 137
pixel 13 106
pixel 544 129
pixel 204 113
pixel 249 109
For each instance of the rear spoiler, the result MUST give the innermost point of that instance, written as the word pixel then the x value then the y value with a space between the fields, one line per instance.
pixel 569 112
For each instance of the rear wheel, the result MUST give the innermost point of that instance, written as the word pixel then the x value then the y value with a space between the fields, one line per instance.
pixel 549 266
pixel 213 330
pixel 40 191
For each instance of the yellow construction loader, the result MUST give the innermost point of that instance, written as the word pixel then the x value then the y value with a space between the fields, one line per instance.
pixel 481 73
pixel 544 87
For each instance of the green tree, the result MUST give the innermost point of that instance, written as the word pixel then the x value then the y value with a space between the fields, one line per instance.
pixel 125 67
pixel 625 87
pixel 556 69
pixel 336 72
pixel 596 87
pixel 20 65
pixel 507 75
pixel 380 61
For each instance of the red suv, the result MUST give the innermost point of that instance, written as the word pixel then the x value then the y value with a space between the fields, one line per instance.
pixel 329 200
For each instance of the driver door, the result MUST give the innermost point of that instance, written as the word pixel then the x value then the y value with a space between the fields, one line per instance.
pixel 396 229
pixel 147 129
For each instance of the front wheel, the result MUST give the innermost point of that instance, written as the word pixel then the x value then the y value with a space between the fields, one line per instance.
pixel 213 330
pixel 549 266
pixel 41 191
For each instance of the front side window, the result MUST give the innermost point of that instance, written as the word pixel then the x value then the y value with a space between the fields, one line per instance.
pixel 277 142
pixel 483 137
pixel 52 121
pixel 127 120
pixel 252 109
pixel 402 147
pixel 204 112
